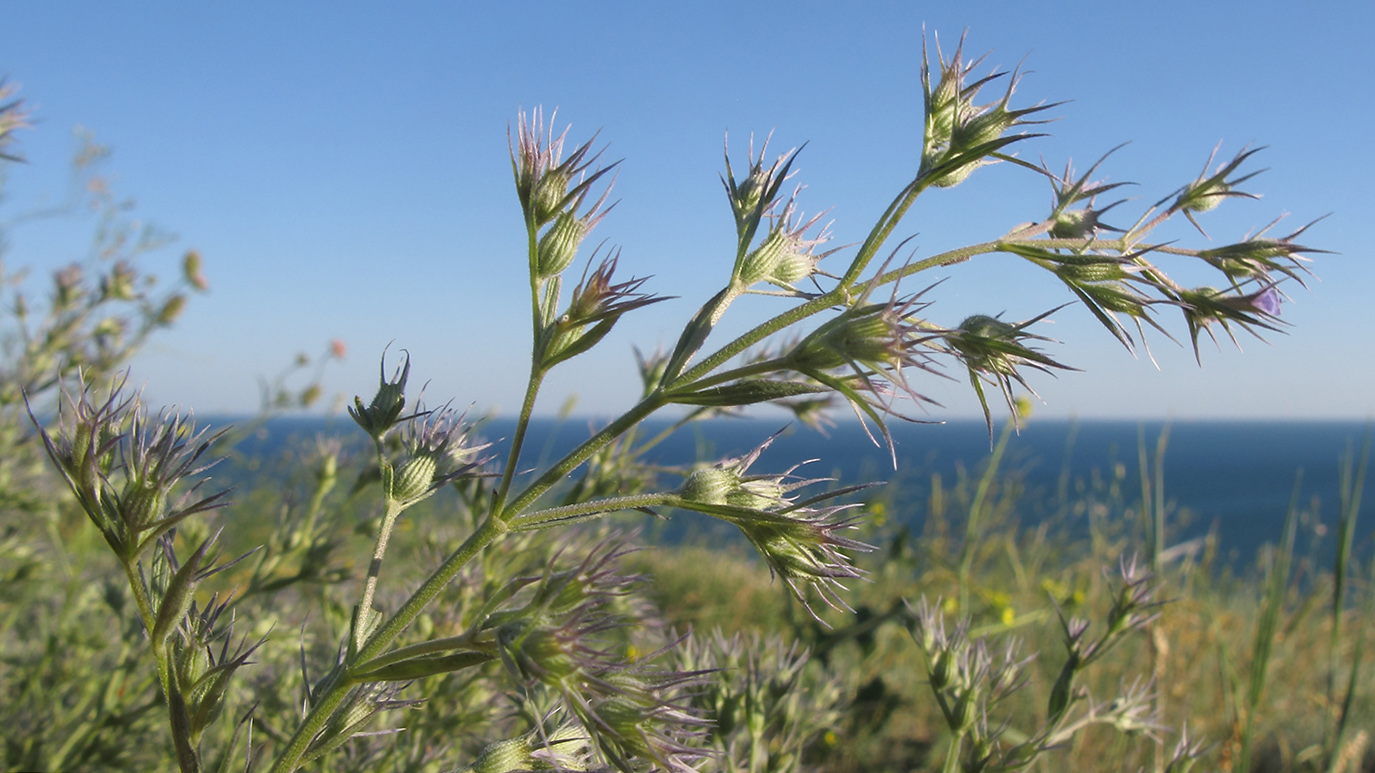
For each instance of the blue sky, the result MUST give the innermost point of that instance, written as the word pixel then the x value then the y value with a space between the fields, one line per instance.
pixel 343 168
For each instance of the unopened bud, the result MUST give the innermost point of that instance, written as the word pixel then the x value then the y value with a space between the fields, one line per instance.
pixel 535 653
pixel 414 479
pixel 751 190
pixel 559 245
pixel 758 265
pixel 709 485
pixel 550 191
pixel 509 756
pixel 942 669
pixel 793 267
pixel 191 270
pixel 171 309
pixel 141 504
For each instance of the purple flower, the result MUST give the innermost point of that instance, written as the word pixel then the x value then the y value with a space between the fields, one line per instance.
pixel 1267 301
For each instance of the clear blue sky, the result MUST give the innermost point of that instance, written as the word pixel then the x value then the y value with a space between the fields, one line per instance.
pixel 343 168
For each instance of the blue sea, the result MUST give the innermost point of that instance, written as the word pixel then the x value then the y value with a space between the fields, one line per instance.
pixel 1233 478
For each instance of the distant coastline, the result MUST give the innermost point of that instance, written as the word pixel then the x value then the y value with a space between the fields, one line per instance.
pixel 1233 475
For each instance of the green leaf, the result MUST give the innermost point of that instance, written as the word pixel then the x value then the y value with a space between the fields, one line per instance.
pixel 745 392
pixel 421 667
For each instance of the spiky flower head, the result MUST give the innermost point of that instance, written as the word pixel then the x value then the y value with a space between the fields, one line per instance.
pixel 598 303
pixel 1208 191
pixel 756 192
pixel 383 413
pixel 960 136
pixel 644 716
pixel 995 351
pixel 556 636
pixel 125 468
pixel 437 453
pixel 1075 214
pixel 865 349
pixel 1258 257
pixel 786 255
pixel 543 176
pixel 1205 306
pixel 729 482
pixel 559 245
pixel 800 543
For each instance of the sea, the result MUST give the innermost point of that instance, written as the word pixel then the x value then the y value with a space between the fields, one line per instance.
pixel 1231 479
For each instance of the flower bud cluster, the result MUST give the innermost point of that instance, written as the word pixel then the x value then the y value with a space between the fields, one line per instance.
pixel 359 708
pixel 1075 215
pixel 1134 607
pixel 766 706
pixel 960 135
pixel 785 255
pixel 756 192
pixel 552 189
pixel 205 659
pixel 801 544
pixel 597 305
pixel 878 343
pixel 1207 192
pixel 968 679
pixel 125 468
pixel 558 637
pixel 1204 306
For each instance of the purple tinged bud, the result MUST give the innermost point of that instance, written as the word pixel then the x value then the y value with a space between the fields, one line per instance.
pixel 1267 302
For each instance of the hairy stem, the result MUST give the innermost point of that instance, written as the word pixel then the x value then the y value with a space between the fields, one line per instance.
pixel 325 705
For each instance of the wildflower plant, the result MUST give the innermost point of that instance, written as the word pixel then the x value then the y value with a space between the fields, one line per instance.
pixel 555 639
pixel 969 677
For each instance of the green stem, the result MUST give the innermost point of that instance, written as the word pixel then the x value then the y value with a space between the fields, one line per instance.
pixel 379 552
pixel 186 757
pixel 763 367
pixel 952 755
pixel 976 512
pixel 882 230
pixel 838 296
pixel 325 705
pixel 487 533
pixel 651 403
pixel 527 407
